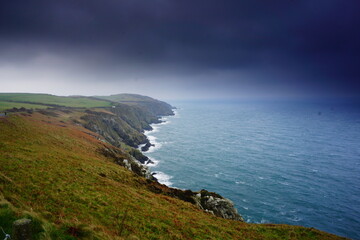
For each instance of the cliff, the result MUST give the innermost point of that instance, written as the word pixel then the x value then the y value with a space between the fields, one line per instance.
pixel 124 125
pixel 68 168
pixel 147 104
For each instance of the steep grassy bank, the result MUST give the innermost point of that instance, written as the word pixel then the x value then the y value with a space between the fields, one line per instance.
pixel 55 171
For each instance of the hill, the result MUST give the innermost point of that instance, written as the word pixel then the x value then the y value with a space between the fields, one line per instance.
pixel 30 100
pixel 60 168
pixel 145 103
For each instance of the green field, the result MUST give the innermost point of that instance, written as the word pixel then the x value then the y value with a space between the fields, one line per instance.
pixel 21 99
pixel 126 97
pixel 8 105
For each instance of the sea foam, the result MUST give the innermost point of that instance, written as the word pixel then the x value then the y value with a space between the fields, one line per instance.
pixel 160 176
pixel 163 178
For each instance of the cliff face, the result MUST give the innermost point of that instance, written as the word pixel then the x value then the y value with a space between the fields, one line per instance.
pixel 75 185
pixel 125 121
pixel 123 124
pixel 113 128
pixel 124 159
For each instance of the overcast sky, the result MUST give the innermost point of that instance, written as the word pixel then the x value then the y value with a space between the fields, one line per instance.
pixel 179 49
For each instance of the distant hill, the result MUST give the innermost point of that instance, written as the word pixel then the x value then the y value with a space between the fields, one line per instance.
pixel 146 103
pixel 31 100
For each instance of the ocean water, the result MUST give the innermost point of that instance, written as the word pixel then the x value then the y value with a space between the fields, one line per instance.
pixel 292 163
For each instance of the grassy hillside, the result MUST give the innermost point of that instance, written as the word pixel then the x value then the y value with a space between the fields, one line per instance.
pixel 48 100
pixel 4 105
pixel 121 124
pixel 56 173
pixel 127 97
pixel 145 103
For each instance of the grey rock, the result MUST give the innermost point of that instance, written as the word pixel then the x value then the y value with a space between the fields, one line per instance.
pixel 22 229
pixel 217 205
pixel 127 164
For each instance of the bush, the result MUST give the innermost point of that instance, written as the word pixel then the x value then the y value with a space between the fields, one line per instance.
pixel 7 217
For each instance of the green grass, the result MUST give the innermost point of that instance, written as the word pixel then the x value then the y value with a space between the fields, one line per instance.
pixel 126 97
pixel 8 105
pixel 54 170
pixel 20 99
pixel 40 229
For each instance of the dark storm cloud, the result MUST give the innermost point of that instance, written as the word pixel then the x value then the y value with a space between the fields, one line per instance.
pixel 309 44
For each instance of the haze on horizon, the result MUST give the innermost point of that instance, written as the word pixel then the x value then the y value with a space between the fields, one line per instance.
pixel 181 49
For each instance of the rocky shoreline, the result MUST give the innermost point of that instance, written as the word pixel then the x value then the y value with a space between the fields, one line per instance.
pixel 123 126
pixel 210 202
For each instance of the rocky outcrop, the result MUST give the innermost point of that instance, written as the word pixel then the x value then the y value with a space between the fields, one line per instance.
pixel 210 202
pixel 217 205
pixel 139 156
pixel 113 128
pixel 124 159
pixel 146 147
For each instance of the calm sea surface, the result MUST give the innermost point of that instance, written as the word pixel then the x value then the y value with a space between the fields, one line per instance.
pixel 293 163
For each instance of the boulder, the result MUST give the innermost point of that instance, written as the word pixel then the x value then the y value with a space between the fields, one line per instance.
pixel 217 205
pixel 147 146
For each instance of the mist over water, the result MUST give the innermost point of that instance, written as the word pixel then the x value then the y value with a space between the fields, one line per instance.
pixel 293 163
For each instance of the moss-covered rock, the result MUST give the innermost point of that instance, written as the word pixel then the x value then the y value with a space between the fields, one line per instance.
pixel 208 201
pixel 217 205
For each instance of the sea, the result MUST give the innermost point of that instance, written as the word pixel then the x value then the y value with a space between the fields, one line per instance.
pixel 288 162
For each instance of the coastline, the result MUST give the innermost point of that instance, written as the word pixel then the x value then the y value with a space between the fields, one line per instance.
pixel 210 202
pixel 107 123
pixel 161 177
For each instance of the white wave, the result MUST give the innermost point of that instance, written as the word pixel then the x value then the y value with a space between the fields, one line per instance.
pixel 265 203
pixel 285 183
pixel 141 145
pixel 154 127
pixel 163 178
pixel 164 118
pixel 240 182
pixel 156 146
pixel 176 114
pixel 164 123
pixel 295 219
pixel 152 140
pixel 160 176
pixel 264 221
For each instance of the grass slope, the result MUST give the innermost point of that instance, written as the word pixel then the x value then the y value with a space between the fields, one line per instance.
pixel 47 99
pixel 127 97
pixel 8 105
pixel 149 104
pixel 54 172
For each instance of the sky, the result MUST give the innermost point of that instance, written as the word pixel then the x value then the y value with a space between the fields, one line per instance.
pixel 179 49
